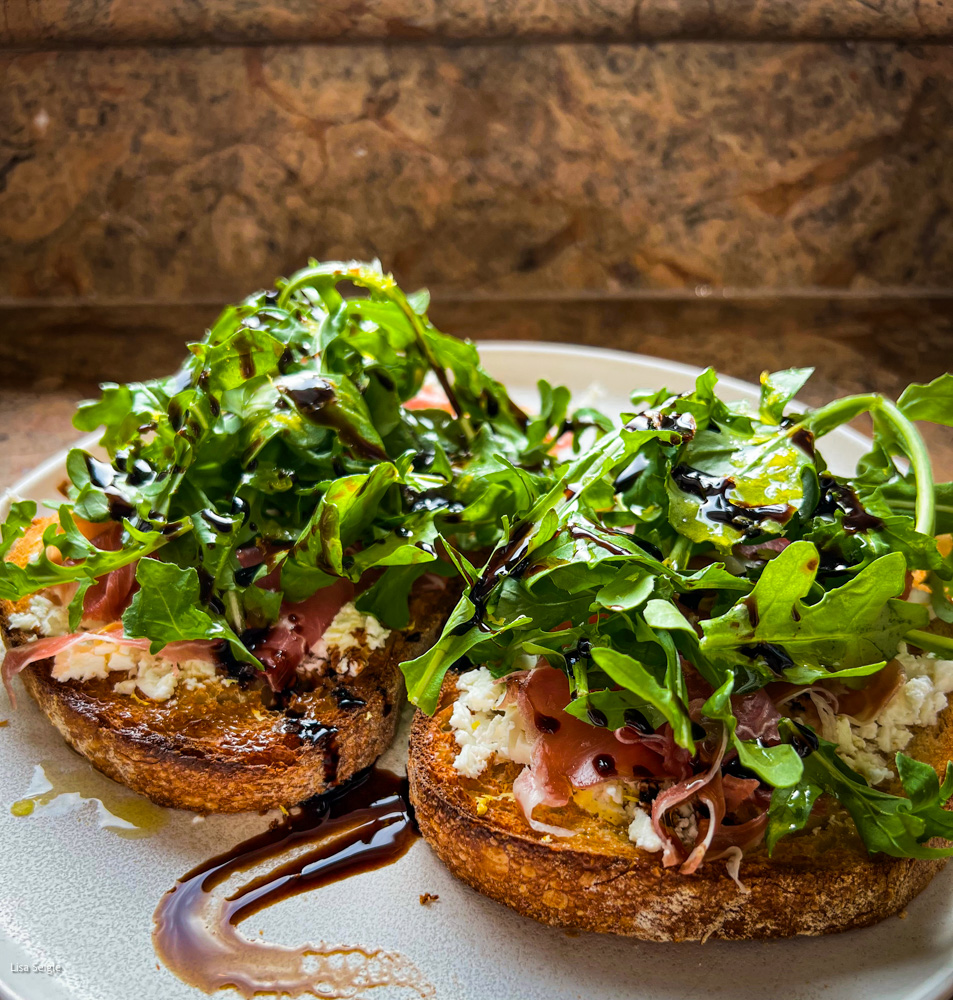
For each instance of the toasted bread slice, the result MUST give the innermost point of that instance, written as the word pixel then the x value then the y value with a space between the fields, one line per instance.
pixel 597 880
pixel 224 746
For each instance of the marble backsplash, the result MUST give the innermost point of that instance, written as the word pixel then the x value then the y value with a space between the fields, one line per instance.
pixel 195 174
pixel 747 183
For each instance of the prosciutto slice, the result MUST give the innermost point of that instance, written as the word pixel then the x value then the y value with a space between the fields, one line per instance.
pixel 708 787
pixel 757 717
pixel 18 659
pixel 110 595
pixel 737 791
pixel 569 753
pixel 298 629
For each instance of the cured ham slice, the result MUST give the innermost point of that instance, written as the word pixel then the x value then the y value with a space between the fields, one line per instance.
pixel 110 595
pixel 569 753
pixel 757 717
pixel 300 626
pixel 707 787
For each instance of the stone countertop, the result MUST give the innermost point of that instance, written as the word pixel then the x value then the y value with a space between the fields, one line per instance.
pixel 45 23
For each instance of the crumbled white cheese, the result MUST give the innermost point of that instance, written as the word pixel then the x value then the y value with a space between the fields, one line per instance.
pixel 641 831
pixel 94 660
pixel 482 692
pixel 917 702
pixel 43 616
pixel 152 676
pixel 155 679
pixel 481 728
pixel 158 679
pixel 348 630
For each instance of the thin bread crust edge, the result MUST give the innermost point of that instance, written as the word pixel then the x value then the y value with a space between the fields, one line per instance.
pixel 597 880
pixel 224 748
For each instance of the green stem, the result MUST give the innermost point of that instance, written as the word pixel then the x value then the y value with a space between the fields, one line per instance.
pixel 680 554
pixel 916 451
pixel 321 276
pixel 823 420
pixel 940 644
pixel 580 678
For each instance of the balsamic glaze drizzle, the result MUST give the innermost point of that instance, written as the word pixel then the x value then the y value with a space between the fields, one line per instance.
pixel 364 825
pixel 713 492
pixel 837 496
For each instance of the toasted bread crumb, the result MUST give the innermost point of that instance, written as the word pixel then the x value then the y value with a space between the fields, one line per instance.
pixel 427 898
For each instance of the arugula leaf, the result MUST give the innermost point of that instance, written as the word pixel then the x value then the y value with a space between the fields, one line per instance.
pixel 853 626
pixel 630 587
pixel 85 560
pixel 167 608
pixel 892 824
pixel 778 389
pixel 753 482
pixel 933 402
pixel 664 615
pixel 425 673
pixel 19 518
pixel 633 676
pixel 613 704
pixel 790 810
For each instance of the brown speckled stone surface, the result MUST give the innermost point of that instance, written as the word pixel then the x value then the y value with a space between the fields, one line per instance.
pixel 195 174
pixel 42 22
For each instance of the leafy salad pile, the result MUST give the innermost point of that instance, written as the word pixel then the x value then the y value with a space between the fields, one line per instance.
pixel 297 428
pixel 286 430
pixel 695 508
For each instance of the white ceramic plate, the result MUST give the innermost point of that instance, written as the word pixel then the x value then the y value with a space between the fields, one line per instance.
pixel 80 897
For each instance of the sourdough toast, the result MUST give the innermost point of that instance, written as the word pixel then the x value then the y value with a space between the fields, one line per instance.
pixel 227 745
pixel 816 882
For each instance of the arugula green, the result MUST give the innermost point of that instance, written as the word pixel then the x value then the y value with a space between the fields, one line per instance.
pixel 851 631
pixel 287 432
pixel 168 608
pixel 894 824
pixel 705 547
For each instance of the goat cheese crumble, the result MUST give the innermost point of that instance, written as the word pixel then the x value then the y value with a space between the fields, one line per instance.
pixel 917 702
pixel 641 829
pixel 349 630
pixel 482 728
pixel 152 676
pixel 42 616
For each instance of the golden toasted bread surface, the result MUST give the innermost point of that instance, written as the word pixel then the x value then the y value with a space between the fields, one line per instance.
pixel 597 880
pixel 227 746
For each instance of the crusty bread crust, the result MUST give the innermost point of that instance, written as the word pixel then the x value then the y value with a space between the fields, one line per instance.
pixel 224 747
pixel 597 880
